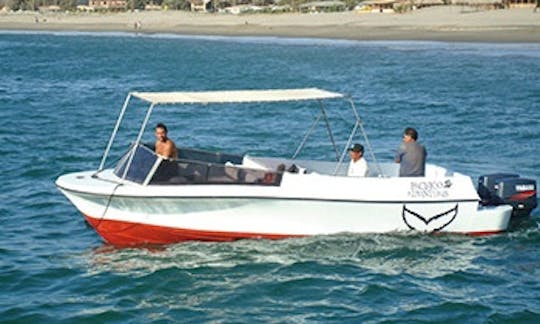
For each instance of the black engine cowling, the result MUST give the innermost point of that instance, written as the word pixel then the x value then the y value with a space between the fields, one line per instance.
pixel 508 188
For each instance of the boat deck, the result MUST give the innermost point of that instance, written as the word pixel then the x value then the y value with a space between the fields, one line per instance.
pixel 387 169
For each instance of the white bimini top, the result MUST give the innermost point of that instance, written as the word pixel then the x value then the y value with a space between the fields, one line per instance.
pixel 236 96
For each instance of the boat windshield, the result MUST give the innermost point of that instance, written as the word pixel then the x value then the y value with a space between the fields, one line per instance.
pixel 141 165
pixel 192 167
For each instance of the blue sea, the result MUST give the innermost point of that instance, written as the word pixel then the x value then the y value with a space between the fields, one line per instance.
pixel 476 107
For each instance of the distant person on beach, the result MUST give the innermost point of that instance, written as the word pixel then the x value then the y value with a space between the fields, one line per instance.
pixel 537 5
pixel 164 145
pixel 411 155
pixel 358 165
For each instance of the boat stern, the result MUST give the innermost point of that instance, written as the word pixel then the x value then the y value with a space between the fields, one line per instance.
pixel 490 220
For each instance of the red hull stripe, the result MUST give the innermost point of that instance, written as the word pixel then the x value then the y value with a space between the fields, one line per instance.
pixel 484 233
pixel 122 233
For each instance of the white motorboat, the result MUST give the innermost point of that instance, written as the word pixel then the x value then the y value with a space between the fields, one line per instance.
pixel 205 195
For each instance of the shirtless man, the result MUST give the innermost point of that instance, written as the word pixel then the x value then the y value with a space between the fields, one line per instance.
pixel 164 145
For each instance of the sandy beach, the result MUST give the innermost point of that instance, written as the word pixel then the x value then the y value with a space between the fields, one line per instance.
pixel 448 23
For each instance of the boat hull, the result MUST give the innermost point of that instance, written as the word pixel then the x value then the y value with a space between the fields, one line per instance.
pixel 127 221
pixel 121 233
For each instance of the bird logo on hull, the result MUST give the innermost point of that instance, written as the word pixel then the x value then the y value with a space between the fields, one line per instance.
pixel 435 223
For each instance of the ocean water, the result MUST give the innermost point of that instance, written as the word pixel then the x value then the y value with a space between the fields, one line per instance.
pixel 476 106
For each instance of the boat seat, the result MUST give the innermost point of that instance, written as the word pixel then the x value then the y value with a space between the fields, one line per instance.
pixel 178 180
pixel 241 175
pixel 166 171
pixel 232 173
pixel 251 178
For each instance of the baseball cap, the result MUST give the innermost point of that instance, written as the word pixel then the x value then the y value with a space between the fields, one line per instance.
pixel 357 148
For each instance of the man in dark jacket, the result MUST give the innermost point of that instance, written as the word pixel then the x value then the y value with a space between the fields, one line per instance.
pixel 411 155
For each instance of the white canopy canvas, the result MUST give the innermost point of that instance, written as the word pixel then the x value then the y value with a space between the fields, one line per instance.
pixel 236 96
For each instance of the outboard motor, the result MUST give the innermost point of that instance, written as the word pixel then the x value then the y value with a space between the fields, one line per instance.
pixel 508 188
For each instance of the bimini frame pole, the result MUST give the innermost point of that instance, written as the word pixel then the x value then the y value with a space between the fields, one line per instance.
pixel 310 131
pixel 304 140
pixel 113 136
pixel 370 149
pixel 138 141
pixel 328 129
pixel 357 124
pixel 347 145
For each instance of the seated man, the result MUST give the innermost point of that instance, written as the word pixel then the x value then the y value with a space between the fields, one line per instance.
pixel 358 166
pixel 411 155
pixel 165 147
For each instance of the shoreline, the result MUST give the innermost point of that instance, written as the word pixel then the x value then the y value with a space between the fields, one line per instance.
pixel 449 24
